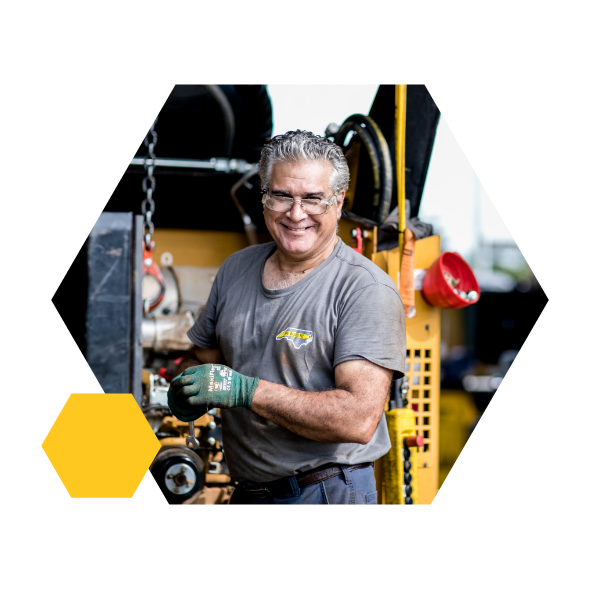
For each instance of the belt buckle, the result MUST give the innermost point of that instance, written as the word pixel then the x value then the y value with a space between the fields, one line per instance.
pixel 256 489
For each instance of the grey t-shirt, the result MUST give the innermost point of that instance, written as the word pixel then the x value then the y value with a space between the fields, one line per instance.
pixel 346 309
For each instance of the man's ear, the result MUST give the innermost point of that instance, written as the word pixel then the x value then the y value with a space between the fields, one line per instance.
pixel 340 202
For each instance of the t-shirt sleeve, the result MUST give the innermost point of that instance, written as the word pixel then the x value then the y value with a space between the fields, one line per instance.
pixel 202 332
pixel 371 327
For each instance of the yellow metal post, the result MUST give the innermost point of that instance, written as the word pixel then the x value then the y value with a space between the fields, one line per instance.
pixel 400 421
pixel 400 161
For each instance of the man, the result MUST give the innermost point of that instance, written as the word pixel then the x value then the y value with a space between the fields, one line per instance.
pixel 298 343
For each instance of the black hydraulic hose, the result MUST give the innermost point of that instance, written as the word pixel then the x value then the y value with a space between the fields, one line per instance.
pixel 228 116
pixel 249 226
pixel 387 168
pixel 379 154
pixel 348 126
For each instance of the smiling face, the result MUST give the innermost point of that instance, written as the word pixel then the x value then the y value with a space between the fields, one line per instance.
pixel 300 236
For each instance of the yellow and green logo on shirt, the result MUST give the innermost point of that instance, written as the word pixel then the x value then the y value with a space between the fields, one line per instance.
pixel 298 337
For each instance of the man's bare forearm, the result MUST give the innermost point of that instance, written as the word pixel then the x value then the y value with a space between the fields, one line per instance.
pixel 330 416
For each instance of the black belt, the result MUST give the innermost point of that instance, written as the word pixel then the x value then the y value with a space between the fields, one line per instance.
pixel 283 485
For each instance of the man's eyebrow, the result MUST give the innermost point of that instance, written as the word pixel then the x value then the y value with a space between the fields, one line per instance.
pixel 287 193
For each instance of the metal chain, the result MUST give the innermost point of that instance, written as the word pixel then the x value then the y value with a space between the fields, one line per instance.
pixel 149 185
pixel 406 455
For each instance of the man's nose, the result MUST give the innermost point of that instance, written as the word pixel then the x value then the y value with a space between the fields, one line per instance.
pixel 296 213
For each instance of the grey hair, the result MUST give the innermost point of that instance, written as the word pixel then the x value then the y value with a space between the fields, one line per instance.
pixel 304 145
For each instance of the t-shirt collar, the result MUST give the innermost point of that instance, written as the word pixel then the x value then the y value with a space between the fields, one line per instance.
pixel 304 281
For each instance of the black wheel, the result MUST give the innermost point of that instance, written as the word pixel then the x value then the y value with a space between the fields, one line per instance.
pixel 179 473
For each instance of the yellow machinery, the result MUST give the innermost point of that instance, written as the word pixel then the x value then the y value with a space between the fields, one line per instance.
pixel 420 417
pixel 458 413
pixel 422 366
pixel 423 374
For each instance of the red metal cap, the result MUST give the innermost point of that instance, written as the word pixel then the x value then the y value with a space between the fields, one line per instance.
pixel 414 440
pixel 436 289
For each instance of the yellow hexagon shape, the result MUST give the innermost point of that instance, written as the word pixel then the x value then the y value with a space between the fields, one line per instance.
pixel 101 445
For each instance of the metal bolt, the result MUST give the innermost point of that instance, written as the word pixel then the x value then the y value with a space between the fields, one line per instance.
pixel 212 425
pixel 211 441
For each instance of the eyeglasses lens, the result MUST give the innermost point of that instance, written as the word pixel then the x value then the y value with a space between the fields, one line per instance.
pixel 310 207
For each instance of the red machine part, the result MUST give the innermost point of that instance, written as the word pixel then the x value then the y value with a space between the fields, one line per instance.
pixel 436 289
pixel 149 267
pixel 414 440
pixel 169 372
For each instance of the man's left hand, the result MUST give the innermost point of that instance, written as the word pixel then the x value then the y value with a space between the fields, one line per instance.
pixel 201 388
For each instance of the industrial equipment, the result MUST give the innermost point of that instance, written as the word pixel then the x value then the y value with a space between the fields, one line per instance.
pixel 200 159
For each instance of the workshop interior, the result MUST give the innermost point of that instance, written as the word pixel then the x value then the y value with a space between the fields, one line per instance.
pixel 200 159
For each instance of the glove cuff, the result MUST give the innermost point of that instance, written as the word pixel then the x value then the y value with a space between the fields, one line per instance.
pixel 246 391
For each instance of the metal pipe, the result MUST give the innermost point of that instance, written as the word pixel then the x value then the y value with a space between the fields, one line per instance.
pixel 226 165
pixel 167 333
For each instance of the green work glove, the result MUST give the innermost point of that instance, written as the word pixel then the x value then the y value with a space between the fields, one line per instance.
pixel 198 389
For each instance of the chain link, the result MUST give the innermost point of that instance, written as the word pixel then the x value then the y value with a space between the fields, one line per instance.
pixel 149 185
pixel 406 468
